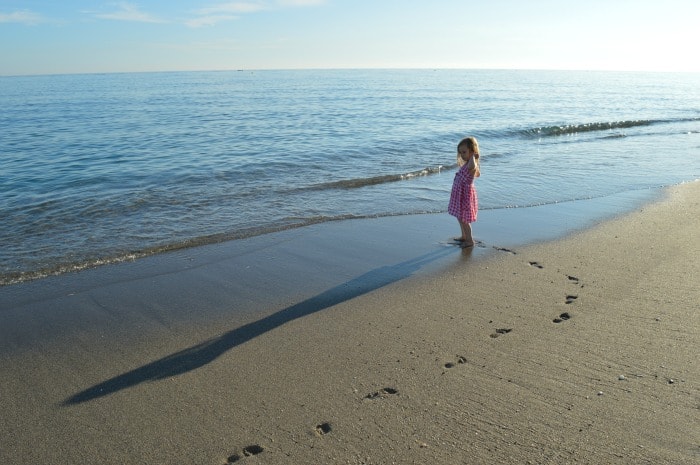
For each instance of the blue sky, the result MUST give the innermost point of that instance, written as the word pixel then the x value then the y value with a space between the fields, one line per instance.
pixel 75 36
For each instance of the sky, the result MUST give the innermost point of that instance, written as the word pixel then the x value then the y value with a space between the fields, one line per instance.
pixel 76 36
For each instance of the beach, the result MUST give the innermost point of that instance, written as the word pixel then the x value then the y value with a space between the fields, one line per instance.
pixel 372 341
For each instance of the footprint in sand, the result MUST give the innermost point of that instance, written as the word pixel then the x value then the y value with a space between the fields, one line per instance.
pixel 501 331
pixel 563 317
pixel 247 452
pixel 383 393
pixel 460 360
pixel 503 249
pixel 570 298
pixel 536 265
pixel 323 429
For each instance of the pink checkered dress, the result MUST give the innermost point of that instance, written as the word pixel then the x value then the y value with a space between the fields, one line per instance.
pixel 464 203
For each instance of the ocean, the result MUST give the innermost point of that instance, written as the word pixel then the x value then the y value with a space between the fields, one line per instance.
pixel 102 168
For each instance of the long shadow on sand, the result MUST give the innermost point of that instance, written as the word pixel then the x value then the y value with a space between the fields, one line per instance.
pixel 201 354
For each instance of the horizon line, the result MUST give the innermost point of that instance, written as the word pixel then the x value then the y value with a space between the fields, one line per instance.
pixel 388 68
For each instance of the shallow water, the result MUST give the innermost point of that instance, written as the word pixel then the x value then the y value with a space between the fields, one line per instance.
pixel 102 168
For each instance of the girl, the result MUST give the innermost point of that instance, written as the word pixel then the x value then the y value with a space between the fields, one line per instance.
pixel 464 203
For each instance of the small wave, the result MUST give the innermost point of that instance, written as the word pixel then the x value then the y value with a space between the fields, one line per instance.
pixel 615 136
pixel 364 182
pixel 568 129
pixel 586 127
pixel 63 268
pixel 11 278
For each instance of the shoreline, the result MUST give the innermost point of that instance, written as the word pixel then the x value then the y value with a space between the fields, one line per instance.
pixel 369 341
pixel 572 215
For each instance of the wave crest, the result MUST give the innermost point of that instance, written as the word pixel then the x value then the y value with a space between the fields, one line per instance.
pixel 567 129
pixel 586 127
pixel 364 182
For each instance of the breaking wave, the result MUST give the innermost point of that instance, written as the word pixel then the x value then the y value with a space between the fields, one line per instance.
pixel 567 129
pixel 364 182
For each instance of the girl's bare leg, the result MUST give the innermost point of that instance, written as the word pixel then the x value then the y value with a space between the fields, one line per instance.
pixel 461 238
pixel 467 239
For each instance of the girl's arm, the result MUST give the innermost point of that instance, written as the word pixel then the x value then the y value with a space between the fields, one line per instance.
pixel 474 167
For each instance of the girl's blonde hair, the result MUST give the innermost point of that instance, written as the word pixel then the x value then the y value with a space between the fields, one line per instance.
pixel 472 145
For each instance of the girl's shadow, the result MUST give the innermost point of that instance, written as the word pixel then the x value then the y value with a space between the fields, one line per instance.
pixel 201 354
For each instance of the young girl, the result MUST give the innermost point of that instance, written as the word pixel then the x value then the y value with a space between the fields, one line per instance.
pixel 464 203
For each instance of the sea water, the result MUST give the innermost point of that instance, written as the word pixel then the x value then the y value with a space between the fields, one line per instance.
pixel 100 168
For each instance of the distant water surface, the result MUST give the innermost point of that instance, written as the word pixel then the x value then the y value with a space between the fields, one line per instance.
pixel 102 168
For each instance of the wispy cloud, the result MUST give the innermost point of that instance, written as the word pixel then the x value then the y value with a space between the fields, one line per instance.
pixel 129 12
pixel 234 8
pixel 210 16
pixel 300 2
pixel 209 20
pixel 21 17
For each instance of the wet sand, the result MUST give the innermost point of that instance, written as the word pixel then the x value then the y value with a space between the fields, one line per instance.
pixel 370 341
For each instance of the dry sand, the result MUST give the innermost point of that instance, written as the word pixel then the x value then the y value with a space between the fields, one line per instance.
pixel 443 357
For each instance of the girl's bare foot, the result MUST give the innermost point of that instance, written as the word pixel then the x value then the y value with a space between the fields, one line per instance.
pixel 466 245
pixel 458 239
